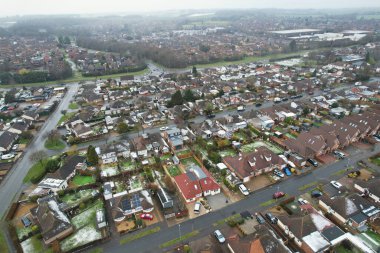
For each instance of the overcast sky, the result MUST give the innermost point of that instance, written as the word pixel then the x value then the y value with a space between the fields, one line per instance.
pixel 25 7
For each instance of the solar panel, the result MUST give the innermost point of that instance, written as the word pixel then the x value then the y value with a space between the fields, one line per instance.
pixel 126 204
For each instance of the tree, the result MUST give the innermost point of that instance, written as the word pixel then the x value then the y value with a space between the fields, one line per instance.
pixel 38 156
pixel 194 71
pixel 305 111
pixel 9 97
pixel 52 165
pixel 122 128
pixel 92 156
pixel 53 135
pixel 176 99
pixel 293 46
pixel 188 95
pixel 334 105
pixel 169 184
pixel 208 109
pixel 215 157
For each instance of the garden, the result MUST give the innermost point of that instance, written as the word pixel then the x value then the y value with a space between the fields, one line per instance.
pixel 127 165
pixel 227 152
pixel 34 245
pixel 75 198
pixel 85 228
pixel 187 162
pixel 174 171
pixel 252 146
pixel 80 180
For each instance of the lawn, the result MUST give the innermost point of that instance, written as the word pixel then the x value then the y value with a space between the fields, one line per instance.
pixel 3 244
pixel 240 136
pixel 109 172
pixel 127 166
pixel 36 170
pixel 175 241
pixel 376 161
pixel 374 236
pixel 65 118
pixel 80 180
pixel 252 146
pixel 183 152
pixel 307 186
pixel 86 231
pixel 189 161
pixel 34 245
pixel 73 106
pixel 56 144
pixel 227 152
pixel 165 157
pixel 291 136
pixel 77 197
pixel 139 235
pixel 174 171
pixel 23 231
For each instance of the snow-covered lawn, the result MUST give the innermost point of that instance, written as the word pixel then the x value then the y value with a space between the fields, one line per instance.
pixel 87 217
pixel 75 198
pixel 109 172
pixel 34 245
pixel 81 237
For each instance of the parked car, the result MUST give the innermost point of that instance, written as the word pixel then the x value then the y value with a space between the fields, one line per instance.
pixel 163 128
pixel 287 171
pixel 219 236
pixel 210 116
pixel 339 154
pixel 271 218
pixel 278 173
pixel 316 194
pixel 313 162
pixel 275 178
pixel 302 201
pixel 258 104
pixel 336 184
pixel 260 219
pixel 15 147
pixel 278 195
pixel 197 207
pixel 243 189
pixel 146 216
pixel 7 156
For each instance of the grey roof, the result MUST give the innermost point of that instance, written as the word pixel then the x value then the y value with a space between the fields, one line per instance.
pixel 332 233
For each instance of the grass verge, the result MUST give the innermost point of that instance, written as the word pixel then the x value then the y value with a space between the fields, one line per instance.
pixel 3 244
pixel 178 240
pixel 222 221
pixel 307 186
pixel 271 201
pixel 54 144
pixel 36 170
pixel 339 172
pixel 139 235
pixel 73 106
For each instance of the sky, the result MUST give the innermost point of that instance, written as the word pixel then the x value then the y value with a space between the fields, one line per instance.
pixel 31 7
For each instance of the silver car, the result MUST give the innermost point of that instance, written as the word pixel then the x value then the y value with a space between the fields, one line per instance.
pixel 219 236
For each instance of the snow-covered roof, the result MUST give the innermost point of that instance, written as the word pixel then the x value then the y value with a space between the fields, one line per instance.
pixel 316 242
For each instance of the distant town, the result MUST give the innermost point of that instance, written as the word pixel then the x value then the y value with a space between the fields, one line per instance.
pixel 222 132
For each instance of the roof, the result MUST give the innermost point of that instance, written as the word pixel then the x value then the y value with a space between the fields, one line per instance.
pixel 7 139
pixel 189 188
pixel 248 163
pixel 68 167
pixel 316 242
pixel 332 233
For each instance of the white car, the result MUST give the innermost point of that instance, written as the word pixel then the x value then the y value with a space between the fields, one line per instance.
pixel 7 156
pixel 278 173
pixel 302 201
pixel 243 189
pixel 163 128
pixel 15 147
pixel 219 236
pixel 336 184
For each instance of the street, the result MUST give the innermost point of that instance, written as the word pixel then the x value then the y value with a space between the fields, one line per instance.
pixel 13 185
pixel 204 223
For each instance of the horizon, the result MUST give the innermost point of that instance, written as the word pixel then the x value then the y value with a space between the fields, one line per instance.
pixel 118 7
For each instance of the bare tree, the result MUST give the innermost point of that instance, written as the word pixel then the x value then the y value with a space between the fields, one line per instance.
pixel 38 156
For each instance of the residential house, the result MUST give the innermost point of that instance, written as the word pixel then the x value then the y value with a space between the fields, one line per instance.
pixel 19 126
pixel 249 165
pixel 307 145
pixel 370 188
pixel 30 115
pixel 7 139
pixel 352 210
pixel 80 129
pixel 195 183
pixel 174 139
pixel 53 222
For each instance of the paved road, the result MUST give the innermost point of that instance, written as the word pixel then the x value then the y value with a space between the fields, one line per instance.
pixel 252 203
pixel 12 186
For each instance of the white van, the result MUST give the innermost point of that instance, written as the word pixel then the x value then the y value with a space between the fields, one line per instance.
pixel 197 207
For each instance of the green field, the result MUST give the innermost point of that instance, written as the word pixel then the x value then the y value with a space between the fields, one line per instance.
pixel 76 79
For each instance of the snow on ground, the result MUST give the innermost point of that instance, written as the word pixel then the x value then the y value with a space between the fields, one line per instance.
pixel 81 237
pixel 86 217
pixel 27 246
pixel 319 221
pixel 109 172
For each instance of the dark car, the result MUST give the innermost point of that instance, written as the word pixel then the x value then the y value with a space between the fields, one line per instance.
pixel 271 217
pixel 316 194
pixel 313 162
pixel 259 104
pixel 210 116
pixel 285 99
pixel 260 219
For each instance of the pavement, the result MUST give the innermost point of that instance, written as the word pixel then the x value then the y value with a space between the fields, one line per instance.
pixel 204 223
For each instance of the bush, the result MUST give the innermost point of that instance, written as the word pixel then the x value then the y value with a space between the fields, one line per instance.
pixel 215 157
pixel 82 206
